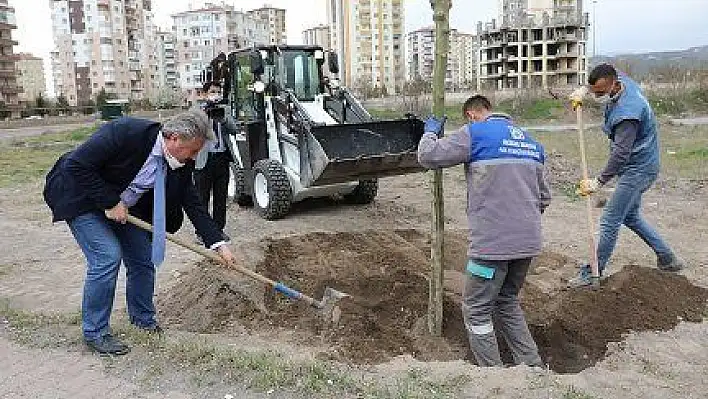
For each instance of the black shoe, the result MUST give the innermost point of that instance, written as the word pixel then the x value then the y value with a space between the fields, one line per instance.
pixel 672 264
pixel 107 345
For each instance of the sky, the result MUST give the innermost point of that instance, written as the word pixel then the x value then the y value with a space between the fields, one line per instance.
pixel 624 26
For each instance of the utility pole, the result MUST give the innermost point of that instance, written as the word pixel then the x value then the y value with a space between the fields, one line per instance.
pixel 441 16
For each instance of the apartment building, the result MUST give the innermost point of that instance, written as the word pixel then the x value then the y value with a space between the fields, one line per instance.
pixel 274 19
pixel 467 50
pixel 368 37
pixel 169 92
pixel 317 36
pixel 9 88
pixel 30 76
pixel 201 34
pixel 540 43
pixel 103 44
pixel 460 61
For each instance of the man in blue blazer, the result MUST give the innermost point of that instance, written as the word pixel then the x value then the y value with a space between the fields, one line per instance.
pixel 117 171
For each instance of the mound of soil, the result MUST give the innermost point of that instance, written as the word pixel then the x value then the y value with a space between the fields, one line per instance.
pixel 573 328
pixel 386 275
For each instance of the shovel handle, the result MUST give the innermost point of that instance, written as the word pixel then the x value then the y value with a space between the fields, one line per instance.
pixel 280 287
pixel 594 269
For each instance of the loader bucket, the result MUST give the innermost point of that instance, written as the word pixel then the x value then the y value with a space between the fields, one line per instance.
pixel 350 152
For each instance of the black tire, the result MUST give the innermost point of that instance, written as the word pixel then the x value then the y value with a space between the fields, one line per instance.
pixel 280 194
pixel 241 196
pixel 364 193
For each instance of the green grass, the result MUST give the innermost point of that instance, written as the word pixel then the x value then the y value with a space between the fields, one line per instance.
pixel 30 158
pixel 676 102
pixel 541 109
pixel 684 150
pixel 572 392
pixel 206 363
pixel 5 269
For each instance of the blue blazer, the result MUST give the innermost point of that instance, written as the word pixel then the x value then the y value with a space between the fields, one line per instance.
pixel 91 178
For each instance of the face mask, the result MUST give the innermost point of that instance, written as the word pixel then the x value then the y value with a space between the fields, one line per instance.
pixel 172 162
pixel 604 99
pixel 214 98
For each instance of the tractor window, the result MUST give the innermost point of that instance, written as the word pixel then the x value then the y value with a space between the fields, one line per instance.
pixel 244 97
pixel 301 74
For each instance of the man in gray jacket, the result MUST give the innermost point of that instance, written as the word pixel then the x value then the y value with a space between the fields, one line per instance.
pixel 506 194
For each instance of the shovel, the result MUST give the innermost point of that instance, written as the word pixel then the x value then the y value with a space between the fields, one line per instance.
pixel 327 307
pixel 595 273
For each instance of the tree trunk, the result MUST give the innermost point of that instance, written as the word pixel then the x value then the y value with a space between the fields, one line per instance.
pixel 441 16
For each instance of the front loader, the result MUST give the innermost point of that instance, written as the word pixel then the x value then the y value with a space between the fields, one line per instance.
pixel 302 135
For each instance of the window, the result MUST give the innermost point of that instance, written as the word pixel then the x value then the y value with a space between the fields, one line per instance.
pixel 302 74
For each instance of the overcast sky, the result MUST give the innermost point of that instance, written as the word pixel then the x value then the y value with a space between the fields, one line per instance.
pixel 625 26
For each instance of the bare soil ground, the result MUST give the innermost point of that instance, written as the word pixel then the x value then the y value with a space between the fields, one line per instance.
pixel 641 335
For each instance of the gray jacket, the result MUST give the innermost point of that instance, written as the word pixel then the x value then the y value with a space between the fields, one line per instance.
pixel 506 187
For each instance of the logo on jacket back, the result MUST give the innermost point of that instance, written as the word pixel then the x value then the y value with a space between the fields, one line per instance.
pixel 516 133
pixel 495 140
pixel 518 146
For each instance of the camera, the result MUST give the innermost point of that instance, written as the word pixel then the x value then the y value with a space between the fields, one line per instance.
pixel 215 110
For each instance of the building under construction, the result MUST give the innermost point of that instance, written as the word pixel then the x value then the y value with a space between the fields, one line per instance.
pixel 538 44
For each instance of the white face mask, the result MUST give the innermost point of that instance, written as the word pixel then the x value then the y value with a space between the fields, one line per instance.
pixel 172 162
pixel 605 99
pixel 214 98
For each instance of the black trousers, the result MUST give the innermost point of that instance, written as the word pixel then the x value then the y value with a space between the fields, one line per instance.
pixel 213 182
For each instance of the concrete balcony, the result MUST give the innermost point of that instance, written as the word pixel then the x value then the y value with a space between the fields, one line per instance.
pixel 7 42
pixel 492 61
pixel 567 38
pixel 7 73
pixel 10 89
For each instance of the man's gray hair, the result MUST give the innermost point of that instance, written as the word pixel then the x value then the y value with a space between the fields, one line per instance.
pixel 194 123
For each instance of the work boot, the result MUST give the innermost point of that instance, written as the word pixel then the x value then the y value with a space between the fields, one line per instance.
pixel 583 279
pixel 670 264
pixel 107 345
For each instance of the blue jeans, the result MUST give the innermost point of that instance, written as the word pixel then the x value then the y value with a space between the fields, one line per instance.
pixel 105 244
pixel 625 208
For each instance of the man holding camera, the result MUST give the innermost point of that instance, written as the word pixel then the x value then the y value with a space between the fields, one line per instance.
pixel 211 174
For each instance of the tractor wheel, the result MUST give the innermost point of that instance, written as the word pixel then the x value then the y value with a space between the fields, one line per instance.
pixel 241 196
pixel 364 193
pixel 272 195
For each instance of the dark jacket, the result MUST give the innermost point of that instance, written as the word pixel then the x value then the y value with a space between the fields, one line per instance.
pixel 92 177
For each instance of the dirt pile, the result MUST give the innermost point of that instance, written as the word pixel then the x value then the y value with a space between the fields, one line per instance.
pixel 386 274
pixel 572 328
